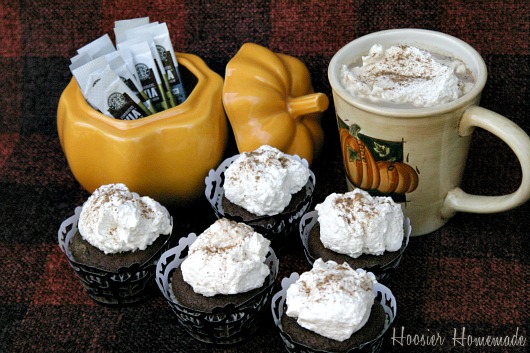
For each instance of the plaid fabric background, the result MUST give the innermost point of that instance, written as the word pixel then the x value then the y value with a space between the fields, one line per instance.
pixel 470 275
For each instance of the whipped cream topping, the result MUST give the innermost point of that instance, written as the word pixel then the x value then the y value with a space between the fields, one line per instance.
pixel 355 223
pixel 114 220
pixel 406 74
pixel 264 180
pixel 331 300
pixel 227 258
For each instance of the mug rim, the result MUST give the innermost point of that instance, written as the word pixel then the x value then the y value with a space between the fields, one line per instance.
pixel 425 38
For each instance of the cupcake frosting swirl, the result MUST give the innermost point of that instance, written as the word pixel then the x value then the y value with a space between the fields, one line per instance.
pixel 264 180
pixel 355 223
pixel 227 258
pixel 331 300
pixel 114 220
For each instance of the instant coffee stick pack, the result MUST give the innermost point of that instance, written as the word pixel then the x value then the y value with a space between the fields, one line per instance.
pixel 147 71
pixel 106 91
pixel 143 59
pixel 159 34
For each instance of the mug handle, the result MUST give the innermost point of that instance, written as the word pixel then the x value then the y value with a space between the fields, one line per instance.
pixel 459 201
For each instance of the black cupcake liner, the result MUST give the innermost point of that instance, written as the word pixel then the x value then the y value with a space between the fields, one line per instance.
pixel 382 294
pixel 128 285
pixel 222 326
pixel 382 272
pixel 276 228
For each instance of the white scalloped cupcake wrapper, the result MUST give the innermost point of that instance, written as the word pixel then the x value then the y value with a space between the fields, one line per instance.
pixel 223 325
pixel 382 272
pixel 127 286
pixel 276 228
pixel 381 293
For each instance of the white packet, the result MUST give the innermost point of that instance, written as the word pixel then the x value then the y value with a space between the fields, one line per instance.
pixel 142 36
pixel 98 47
pixel 113 98
pixel 164 46
pixel 126 55
pixel 147 71
pixel 86 74
pixel 137 30
pixel 79 60
pixel 90 73
pixel 131 22
pixel 120 27
pixel 117 64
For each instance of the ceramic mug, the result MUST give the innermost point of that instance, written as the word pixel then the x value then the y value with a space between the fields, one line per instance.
pixel 417 155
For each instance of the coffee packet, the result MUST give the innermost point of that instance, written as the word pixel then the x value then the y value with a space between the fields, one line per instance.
pixel 169 64
pixel 147 72
pixel 114 98
pixel 144 37
pixel 83 75
pixel 105 91
pixel 79 60
pixel 131 22
pixel 118 65
pixel 145 61
pixel 120 26
pixel 98 47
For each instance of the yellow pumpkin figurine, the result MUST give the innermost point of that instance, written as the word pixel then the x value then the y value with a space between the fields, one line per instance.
pixel 269 100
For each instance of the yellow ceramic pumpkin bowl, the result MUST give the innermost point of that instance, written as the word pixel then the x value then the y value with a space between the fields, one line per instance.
pixel 166 155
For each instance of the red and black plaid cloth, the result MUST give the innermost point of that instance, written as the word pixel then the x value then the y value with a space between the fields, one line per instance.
pixel 472 275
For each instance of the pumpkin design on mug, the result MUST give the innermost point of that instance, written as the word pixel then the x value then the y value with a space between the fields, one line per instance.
pixel 378 168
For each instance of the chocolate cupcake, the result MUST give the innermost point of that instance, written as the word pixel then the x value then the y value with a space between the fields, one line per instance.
pixel 266 189
pixel 185 295
pixel 113 243
pixel 350 218
pixel 240 212
pixel 85 253
pixel 308 322
pixel 219 283
pixel 369 332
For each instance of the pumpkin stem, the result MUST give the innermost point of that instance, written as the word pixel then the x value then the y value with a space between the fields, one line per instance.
pixel 311 103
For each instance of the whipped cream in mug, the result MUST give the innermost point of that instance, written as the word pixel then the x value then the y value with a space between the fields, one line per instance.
pixel 407 75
